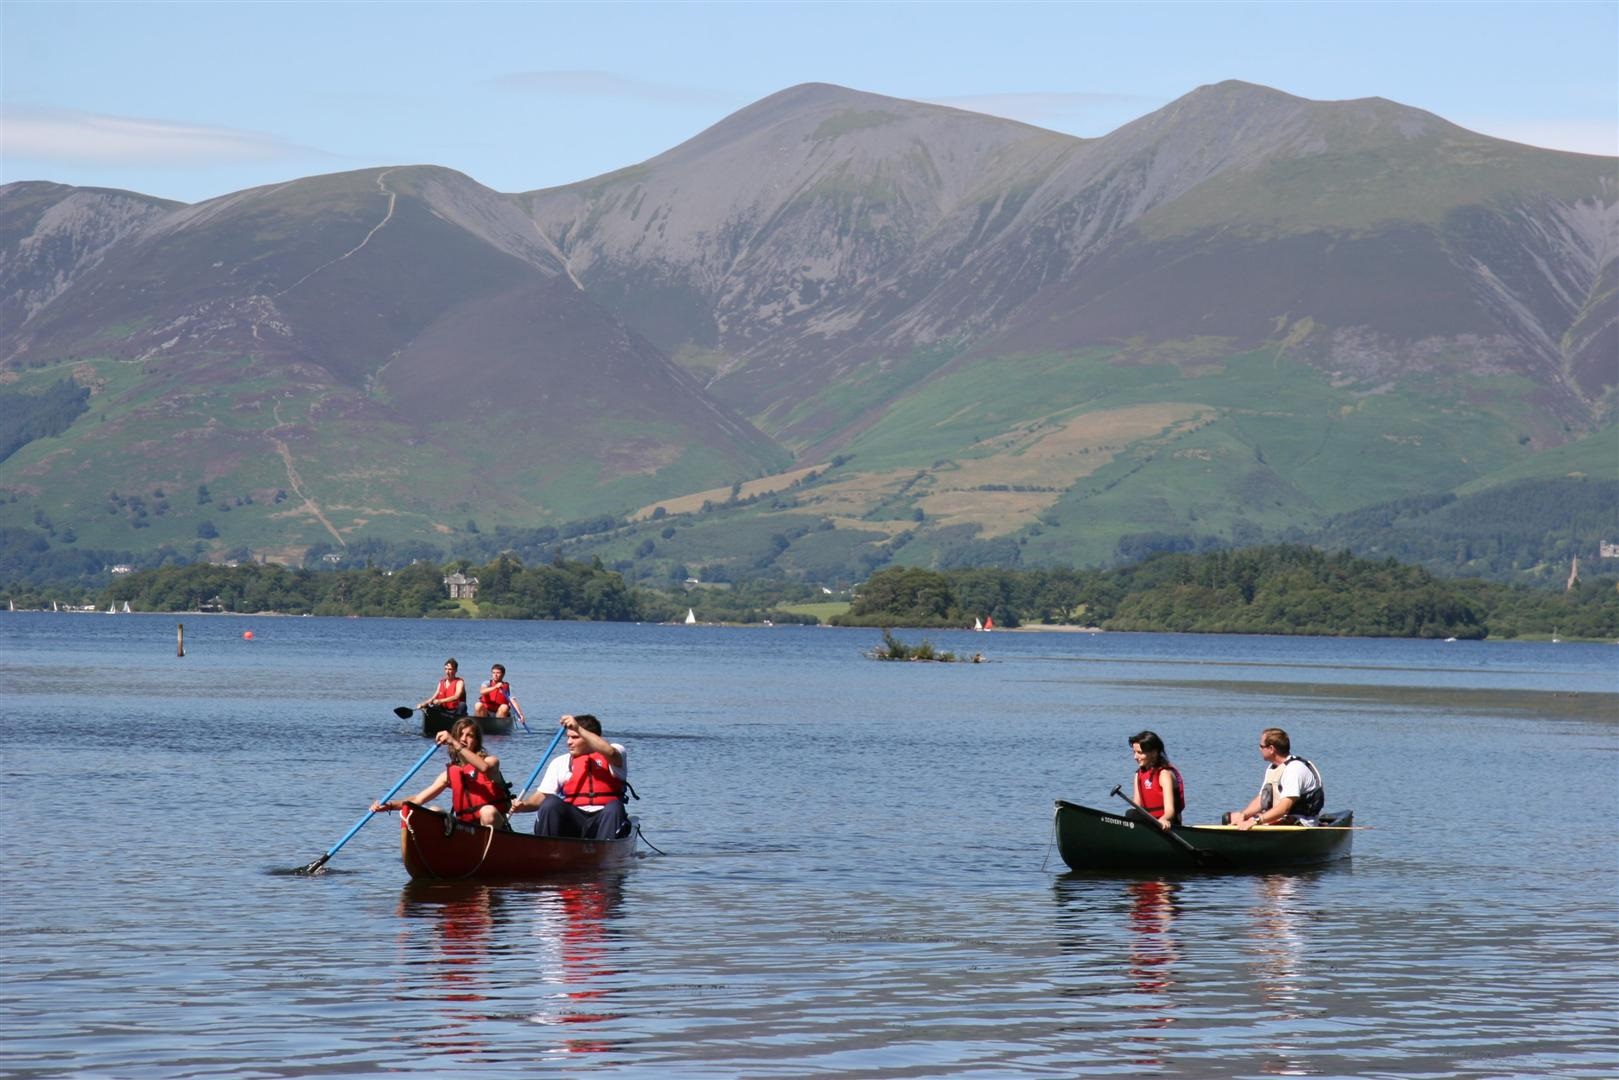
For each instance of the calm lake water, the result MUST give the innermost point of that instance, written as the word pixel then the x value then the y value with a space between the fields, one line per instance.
pixel 857 878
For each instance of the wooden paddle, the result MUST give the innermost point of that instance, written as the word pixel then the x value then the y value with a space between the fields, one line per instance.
pixel 315 866
pixel 1198 854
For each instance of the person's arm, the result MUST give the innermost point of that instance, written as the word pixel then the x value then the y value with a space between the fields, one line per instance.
pixel 1166 781
pixel 422 798
pixel 594 743
pixel 1280 809
pixel 1247 813
pixel 516 708
pixel 550 784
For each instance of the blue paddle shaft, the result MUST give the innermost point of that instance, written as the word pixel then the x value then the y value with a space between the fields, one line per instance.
pixel 414 769
pixel 543 759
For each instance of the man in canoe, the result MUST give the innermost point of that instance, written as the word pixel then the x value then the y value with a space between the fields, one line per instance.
pixel 449 698
pixel 1159 788
pixel 1292 792
pixel 479 795
pixel 495 696
pixel 582 791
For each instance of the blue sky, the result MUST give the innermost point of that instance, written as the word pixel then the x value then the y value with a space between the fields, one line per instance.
pixel 193 100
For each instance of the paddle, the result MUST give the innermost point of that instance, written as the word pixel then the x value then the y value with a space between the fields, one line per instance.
pixel 315 866
pixel 404 713
pixel 1198 854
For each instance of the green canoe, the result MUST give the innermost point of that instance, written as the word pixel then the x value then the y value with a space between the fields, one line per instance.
pixel 1091 839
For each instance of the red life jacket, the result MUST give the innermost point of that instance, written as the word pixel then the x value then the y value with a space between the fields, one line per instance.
pixel 592 782
pixel 1152 793
pixel 446 687
pixel 470 789
pixel 496 696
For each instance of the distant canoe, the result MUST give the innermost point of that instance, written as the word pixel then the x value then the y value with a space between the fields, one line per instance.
pixel 436 848
pixel 437 720
pixel 1090 839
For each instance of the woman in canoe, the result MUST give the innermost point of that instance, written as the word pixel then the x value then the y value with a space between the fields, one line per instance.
pixel 479 795
pixel 1158 785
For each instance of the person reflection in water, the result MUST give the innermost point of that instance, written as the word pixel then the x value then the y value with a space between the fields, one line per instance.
pixel 580 974
pixel 461 917
pixel 582 791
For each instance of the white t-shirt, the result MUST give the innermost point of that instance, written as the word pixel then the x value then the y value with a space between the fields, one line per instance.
pixel 1297 780
pixel 561 767
pixel 1294 782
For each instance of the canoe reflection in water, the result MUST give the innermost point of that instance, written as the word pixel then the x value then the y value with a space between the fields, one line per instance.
pixel 574 929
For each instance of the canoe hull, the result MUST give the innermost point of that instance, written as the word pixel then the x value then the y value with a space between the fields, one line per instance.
pixel 437 720
pixel 435 848
pixel 1090 839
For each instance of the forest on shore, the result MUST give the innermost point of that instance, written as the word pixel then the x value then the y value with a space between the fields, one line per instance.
pixel 1282 589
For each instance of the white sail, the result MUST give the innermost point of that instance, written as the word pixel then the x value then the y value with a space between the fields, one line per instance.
pixel 978 624
pixel 126 608
pixel 691 617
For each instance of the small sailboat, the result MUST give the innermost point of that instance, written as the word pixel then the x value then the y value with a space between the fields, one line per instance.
pixel 111 610
pixel 989 622
pixel 691 617
pixel 978 624
pixel 126 608
pixel 54 607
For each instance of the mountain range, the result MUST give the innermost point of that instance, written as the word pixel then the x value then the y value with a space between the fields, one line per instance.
pixel 832 331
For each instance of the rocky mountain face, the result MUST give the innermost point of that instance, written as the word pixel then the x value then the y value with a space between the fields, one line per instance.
pixel 1368 235
pixel 1182 327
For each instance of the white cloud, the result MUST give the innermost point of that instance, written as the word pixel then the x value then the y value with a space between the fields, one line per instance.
pixel 605 84
pixel 43 133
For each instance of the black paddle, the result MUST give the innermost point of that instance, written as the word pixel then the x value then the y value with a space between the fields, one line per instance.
pixel 1198 854
pixel 403 713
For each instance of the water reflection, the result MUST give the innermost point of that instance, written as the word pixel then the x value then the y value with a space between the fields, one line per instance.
pixel 464 915
pixel 1106 918
pixel 1279 963
pixel 575 934
pixel 1153 951
pixel 568 973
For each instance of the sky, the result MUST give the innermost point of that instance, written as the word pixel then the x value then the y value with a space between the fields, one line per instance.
pixel 188 101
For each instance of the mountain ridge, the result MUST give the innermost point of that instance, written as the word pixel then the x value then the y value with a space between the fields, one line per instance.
pixel 1236 315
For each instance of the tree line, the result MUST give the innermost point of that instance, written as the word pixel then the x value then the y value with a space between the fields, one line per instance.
pixel 1279 589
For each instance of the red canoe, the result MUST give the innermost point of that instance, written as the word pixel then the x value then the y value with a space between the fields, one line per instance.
pixel 437 848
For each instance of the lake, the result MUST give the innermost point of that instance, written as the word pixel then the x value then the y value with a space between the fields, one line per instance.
pixel 857 875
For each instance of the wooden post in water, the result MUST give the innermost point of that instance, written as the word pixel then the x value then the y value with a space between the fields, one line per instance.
pixel 179 639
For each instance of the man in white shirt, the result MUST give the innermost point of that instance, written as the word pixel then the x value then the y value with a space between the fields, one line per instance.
pixel 582 791
pixel 1292 792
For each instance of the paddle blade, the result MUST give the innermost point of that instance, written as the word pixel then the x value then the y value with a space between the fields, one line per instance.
pixel 314 867
pixel 403 713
